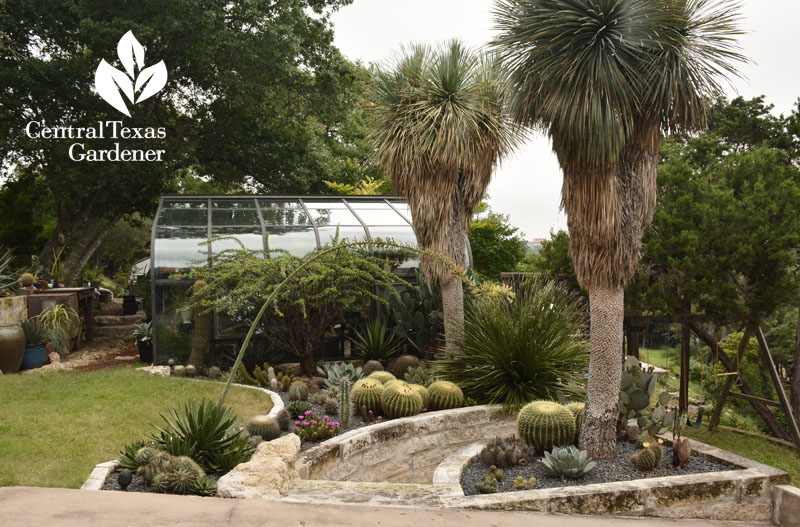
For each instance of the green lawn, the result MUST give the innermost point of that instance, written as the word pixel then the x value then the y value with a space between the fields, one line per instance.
pixel 757 449
pixel 669 359
pixel 55 427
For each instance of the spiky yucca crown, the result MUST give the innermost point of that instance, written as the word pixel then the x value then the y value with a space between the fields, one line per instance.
pixel 400 400
pixel 423 393
pixel 545 424
pixel 264 426
pixel 367 392
pixel 577 411
pixel 382 376
pixel 443 395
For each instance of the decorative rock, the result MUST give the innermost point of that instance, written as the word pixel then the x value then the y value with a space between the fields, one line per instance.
pixel 268 475
pixel 126 357
pixel 55 358
pixel 161 371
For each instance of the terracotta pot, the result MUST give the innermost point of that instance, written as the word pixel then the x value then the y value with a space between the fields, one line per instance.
pixel 12 348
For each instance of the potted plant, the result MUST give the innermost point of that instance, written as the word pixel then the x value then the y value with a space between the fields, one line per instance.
pixel 36 338
pixel 143 333
pixel 64 317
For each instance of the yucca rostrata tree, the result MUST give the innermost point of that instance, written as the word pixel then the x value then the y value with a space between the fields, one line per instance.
pixel 439 126
pixel 604 79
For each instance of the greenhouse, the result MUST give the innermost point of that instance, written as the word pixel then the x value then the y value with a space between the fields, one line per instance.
pixel 189 230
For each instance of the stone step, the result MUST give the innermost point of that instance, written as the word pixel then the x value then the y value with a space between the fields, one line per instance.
pixel 117 320
pixel 114 331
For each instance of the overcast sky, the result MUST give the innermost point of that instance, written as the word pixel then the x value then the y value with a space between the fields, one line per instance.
pixel 527 185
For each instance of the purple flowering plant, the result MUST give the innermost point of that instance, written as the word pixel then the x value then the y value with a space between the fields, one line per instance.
pixel 312 427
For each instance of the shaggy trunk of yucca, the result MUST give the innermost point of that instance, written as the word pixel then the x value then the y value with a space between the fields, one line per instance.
pixel 453 311
pixel 598 433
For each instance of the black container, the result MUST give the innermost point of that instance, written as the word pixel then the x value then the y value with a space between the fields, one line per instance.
pixel 129 305
pixel 145 351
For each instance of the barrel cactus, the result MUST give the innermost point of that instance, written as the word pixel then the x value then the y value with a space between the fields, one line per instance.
pixel 577 411
pixel 264 427
pixel 399 366
pixel 367 392
pixel 190 371
pixel 284 419
pixel 423 393
pixel 545 424
pixel 298 391
pixel 371 366
pixel 381 376
pixel 646 460
pixel 443 395
pixel 182 481
pixel 26 279
pixel 179 371
pixel 400 400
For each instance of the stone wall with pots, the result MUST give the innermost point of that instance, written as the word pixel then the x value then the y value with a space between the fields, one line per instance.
pixel 406 450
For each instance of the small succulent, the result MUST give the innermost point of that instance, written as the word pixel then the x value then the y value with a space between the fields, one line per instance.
pixel 334 373
pixel 490 481
pixel 506 453
pixel 521 484
pixel 298 408
pixel 567 462
pixel 205 486
pixel 283 418
pixel 332 408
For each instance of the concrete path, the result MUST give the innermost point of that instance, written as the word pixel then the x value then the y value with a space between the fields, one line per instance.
pixel 25 506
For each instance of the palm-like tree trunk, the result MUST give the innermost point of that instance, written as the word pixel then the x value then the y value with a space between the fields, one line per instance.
pixel 598 434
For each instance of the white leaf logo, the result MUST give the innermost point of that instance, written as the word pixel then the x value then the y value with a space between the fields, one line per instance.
pixel 109 81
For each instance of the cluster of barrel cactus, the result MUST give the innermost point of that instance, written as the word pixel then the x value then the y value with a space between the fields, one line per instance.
pixel 381 376
pixel 264 427
pixel 636 388
pixel 546 424
pixel 649 457
pixel 172 474
pixel 367 392
pixel 184 371
pixel 423 393
pixel 490 481
pixel 444 395
pixel 506 453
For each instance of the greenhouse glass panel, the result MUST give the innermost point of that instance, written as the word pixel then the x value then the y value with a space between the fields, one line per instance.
pixel 295 241
pixel 234 204
pixel 351 233
pixel 192 204
pixel 402 261
pixel 224 238
pixel 187 217
pixel 177 249
pixel 325 216
pixel 283 213
pixel 385 216
pixel 235 217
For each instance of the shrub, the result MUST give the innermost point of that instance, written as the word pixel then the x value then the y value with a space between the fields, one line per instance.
pixel 400 400
pixel 443 395
pixel 367 392
pixel 399 366
pixel 522 352
pixel 545 424
pixel 204 432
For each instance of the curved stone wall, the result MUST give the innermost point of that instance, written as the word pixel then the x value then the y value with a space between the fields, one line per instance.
pixel 406 450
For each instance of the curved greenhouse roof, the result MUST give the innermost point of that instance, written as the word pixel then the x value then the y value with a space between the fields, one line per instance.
pixel 189 229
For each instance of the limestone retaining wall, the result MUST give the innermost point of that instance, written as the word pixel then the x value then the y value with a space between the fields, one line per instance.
pixel 406 450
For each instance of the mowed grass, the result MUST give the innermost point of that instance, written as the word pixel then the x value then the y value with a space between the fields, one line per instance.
pixel 55 427
pixel 755 448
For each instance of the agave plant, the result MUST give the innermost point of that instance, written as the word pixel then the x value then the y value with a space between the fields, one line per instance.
pixel 375 341
pixel 143 332
pixel 204 432
pixel 567 462
pixel 7 280
pixel 334 374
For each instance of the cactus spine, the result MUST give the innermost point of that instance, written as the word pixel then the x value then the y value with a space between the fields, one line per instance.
pixel 545 424
pixel 265 427
pixel 443 395
pixel 400 400
pixel 367 392
pixel 346 406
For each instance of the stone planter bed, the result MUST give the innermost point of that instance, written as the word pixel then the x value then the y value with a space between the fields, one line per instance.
pixel 618 469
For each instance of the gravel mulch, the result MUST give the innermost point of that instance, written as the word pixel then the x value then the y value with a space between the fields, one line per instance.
pixel 606 471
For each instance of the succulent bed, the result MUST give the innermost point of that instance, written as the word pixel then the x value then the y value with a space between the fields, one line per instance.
pixel 605 471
